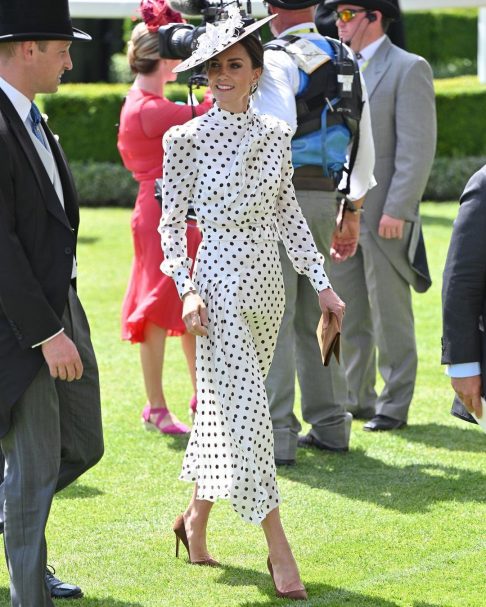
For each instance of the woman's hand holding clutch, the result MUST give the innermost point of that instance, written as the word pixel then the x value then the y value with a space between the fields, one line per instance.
pixel 329 329
pixel 331 303
pixel 194 314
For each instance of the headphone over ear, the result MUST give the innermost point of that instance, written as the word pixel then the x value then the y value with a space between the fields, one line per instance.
pixel 371 17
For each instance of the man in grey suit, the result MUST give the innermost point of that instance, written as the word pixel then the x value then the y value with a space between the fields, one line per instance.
pixel 281 92
pixel 464 301
pixel 375 283
pixel 50 418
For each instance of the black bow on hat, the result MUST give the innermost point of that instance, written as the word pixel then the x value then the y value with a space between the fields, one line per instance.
pixel 292 4
pixel 37 20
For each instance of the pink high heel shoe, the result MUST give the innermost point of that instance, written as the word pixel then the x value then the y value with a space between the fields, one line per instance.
pixel 161 412
pixel 193 407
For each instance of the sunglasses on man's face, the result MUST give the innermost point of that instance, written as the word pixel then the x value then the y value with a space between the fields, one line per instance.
pixel 347 14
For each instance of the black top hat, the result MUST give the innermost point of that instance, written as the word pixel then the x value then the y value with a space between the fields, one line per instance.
pixel 292 4
pixel 386 8
pixel 37 20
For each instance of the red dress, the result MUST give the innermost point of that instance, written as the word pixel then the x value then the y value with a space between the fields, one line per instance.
pixel 150 294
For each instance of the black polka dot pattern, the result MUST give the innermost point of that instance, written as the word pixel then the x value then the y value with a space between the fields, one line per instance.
pixel 235 170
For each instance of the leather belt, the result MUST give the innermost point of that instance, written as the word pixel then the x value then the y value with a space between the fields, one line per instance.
pixel 311 178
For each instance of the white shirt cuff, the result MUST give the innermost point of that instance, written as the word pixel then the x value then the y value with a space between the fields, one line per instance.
pixel 463 370
pixel 48 339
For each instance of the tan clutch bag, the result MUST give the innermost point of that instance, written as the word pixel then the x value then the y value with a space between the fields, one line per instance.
pixel 329 339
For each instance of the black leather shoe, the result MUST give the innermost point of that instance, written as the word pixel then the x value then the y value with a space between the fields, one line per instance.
pixel 309 440
pixel 381 423
pixel 61 590
pixel 284 462
pixel 363 415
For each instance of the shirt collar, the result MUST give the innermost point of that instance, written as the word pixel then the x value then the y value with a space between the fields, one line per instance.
pixel 368 51
pixel 230 118
pixel 302 28
pixel 20 102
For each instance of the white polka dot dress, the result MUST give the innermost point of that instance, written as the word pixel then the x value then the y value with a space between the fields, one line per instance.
pixel 235 170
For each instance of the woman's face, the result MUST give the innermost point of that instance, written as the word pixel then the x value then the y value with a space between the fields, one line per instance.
pixel 166 66
pixel 231 76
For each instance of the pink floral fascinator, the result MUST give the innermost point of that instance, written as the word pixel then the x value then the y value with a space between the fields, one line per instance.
pixel 156 13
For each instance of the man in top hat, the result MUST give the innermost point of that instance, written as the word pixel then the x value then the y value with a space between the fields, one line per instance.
pixel 50 421
pixel 375 283
pixel 326 24
pixel 323 389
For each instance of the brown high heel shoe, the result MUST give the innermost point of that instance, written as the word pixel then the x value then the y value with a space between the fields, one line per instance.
pixel 295 595
pixel 181 536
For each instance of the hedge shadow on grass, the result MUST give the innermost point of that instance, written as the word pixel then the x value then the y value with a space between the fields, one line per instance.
pixel 468 437
pixel 319 594
pixel 407 489
pixel 79 491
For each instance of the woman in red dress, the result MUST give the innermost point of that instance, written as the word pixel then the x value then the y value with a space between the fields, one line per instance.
pixel 152 309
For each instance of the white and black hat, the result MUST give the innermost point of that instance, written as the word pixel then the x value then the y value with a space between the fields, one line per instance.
pixel 37 20
pixel 220 36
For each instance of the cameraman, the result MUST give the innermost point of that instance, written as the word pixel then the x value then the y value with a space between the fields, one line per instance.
pixel 323 390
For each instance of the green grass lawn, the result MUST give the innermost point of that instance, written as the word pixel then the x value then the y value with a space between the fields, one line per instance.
pixel 398 521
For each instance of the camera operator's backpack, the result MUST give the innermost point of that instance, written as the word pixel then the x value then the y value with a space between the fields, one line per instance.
pixel 329 104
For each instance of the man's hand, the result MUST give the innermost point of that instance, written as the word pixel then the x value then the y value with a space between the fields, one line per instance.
pixel 63 358
pixel 390 227
pixel 330 302
pixel 345 241
pixel 194 314
pixel 468 389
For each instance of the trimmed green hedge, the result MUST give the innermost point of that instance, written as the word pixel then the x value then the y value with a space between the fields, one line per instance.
pixel 86 116
pixel 460 116
pixel 442 35
pixel 109 184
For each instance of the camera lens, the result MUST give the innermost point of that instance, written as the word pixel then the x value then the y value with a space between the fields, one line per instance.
pixel 175 40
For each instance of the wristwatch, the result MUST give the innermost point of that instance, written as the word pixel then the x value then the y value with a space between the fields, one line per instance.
pixel 348 205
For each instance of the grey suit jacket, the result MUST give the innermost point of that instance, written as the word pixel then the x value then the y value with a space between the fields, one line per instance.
pixel 402 104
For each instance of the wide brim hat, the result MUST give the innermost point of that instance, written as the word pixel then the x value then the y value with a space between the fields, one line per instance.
pixel 292 5
pixel 219 37
pixel 37 20
pixel 386 8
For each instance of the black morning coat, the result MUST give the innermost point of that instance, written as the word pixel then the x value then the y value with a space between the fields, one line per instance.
pixel 464 286
pixel 37 245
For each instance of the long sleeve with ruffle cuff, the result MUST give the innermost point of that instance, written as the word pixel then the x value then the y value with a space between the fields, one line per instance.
pixel 179 174
pixel 295 232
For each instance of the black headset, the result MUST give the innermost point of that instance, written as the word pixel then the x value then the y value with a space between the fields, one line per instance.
pixel 371 17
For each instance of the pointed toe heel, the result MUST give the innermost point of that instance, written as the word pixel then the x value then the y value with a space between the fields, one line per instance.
pixel 181 536
pixel 294 595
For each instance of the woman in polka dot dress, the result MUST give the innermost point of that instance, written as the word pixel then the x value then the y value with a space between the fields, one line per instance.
pixel 234 168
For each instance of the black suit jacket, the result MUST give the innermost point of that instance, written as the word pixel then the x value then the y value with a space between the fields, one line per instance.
pixel 37 245
pixel 464 284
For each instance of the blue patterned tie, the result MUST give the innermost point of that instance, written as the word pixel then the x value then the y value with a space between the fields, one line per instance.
pixel 35 116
